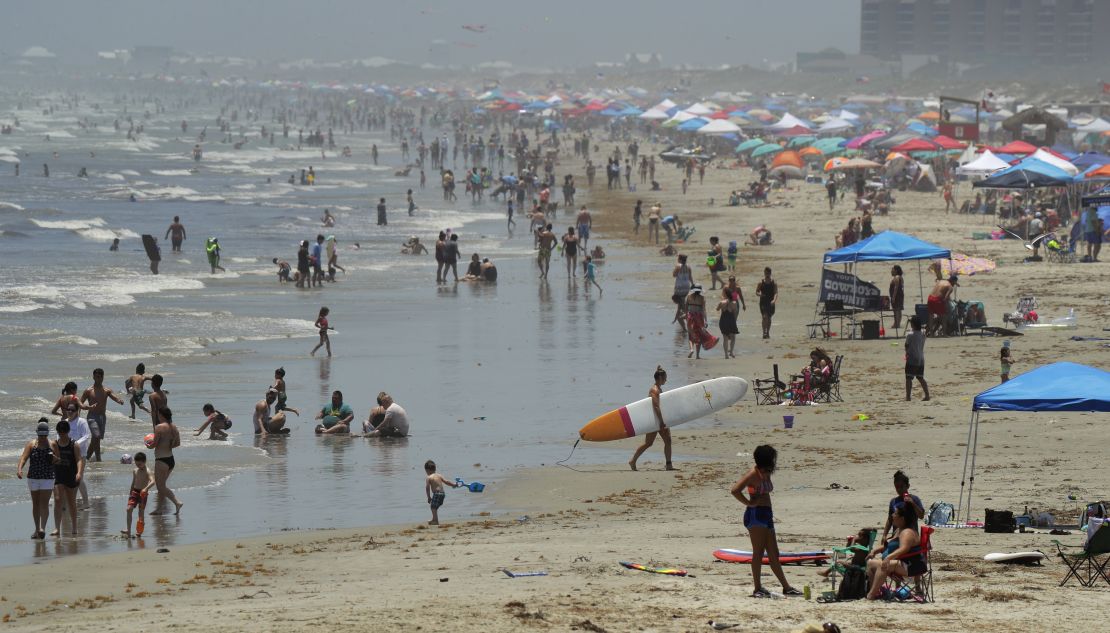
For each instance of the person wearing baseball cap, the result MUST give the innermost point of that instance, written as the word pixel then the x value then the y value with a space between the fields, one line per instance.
pixel 39 455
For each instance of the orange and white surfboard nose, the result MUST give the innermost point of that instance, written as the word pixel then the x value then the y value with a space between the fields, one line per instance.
pixel 614 425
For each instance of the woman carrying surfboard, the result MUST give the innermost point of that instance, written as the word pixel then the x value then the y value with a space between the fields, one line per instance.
pixel 759 519
pixel 649 439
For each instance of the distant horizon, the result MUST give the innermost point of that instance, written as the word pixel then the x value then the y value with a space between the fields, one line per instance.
pixel 574 34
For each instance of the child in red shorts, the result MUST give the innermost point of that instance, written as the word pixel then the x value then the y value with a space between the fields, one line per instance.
pixel 141 483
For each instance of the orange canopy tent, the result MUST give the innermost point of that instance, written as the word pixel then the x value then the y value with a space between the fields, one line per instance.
pixel 1101 172
pixel 810 151
pixel 789 157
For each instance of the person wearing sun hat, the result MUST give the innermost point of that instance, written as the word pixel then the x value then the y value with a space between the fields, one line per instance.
pixel 700 338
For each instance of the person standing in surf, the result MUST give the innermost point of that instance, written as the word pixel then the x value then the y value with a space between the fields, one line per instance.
pixel 166 438
pixel 654 393
pixel 96 397
pixel 177 231
pixel 158 400
pixel 759 519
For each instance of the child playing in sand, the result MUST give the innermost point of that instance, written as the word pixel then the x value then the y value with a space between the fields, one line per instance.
pixel 141 483
pixel 433 488
pixel 216 423
pixel 322 325
pixel 1007 361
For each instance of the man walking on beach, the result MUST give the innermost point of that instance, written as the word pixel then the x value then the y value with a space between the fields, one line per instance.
pixel 585 223
pixel 177 230
pixel 97 397
pixel 768 291
pixel 915 358
pixel 382 221
pixel 547 242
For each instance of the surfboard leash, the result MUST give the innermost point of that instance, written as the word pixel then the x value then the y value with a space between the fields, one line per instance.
pixel 563 461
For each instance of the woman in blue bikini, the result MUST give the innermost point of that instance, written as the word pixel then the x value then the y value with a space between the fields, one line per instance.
pixel 760 520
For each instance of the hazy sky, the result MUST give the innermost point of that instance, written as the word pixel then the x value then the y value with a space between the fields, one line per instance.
pixel 567 32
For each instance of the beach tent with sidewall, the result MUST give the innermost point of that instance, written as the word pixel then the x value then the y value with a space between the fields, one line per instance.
pixel 1058 387
pixel 889 246
pixel 986 164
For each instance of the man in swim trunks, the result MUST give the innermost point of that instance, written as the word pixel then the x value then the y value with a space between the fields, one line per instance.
pixel 177 230
pixel 283 270
pixel 96 397
pixel 396 421
pixel 585 223
pixel 166 438
pixel 158 399
pixel 264 422
pixel 135 391
pixel 547 241
pixel 336 417
pixel 938 304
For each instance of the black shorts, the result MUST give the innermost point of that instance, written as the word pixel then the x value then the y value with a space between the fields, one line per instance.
pixel 915 371
pixel 767 309
pixel 679 299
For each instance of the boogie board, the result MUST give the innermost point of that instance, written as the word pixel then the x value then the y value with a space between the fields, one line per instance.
pixel 1016 558
pixel 151 246
pixel 666 571
pixel 678 406
pixel 786 558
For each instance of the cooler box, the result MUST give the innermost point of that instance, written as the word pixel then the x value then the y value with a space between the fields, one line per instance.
pixel 922 312
pixel 870 330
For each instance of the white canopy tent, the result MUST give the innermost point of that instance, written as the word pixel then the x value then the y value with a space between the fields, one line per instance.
pixel 1055 161
pixel 655 115
pixel 1097 126
pixel 835 125
pixel 986 164
pixel 719 127
pixel 699 109
pixel 788 121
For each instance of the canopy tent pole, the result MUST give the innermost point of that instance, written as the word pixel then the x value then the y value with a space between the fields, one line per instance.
pixel 963 476
pixel 920 284
pixel 971 477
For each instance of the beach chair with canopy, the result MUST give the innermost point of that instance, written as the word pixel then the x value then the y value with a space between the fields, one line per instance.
pixel 1087 563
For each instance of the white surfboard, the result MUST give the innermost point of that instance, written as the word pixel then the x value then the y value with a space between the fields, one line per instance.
pixel 678 406
pixel 1016 558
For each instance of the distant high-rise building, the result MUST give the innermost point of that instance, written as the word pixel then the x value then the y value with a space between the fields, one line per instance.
pixel 1059 33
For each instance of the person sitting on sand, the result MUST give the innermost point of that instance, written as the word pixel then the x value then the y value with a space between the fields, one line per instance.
pixel 488 271
pixel 760 236
pixel 859 558
pixel 395 421
pixel 335 417
pixel 264 422
pixel 668 251
pixel 892 563
pixel 597 253
pixel 474 269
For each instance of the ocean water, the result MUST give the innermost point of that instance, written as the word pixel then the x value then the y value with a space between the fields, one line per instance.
pixel 494 377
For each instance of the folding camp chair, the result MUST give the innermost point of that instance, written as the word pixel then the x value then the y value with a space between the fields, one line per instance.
pixel 922 590
pixel 829 391
pixel 974 318
pixel 769 390
pixel 1087 563
pixel 1060 250
pixel 844 558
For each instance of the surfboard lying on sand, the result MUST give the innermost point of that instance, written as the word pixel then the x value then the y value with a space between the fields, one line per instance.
pixel 786 558
pixel 678 406
pixel 666 571
pixel 1016 558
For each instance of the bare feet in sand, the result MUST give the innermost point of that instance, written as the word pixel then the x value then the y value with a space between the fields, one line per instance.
pixel 632 465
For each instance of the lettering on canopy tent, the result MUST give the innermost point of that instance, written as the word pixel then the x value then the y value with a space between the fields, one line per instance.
pixel 850 289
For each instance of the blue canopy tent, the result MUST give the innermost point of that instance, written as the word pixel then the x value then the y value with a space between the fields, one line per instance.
pixel 1027 174
pixel 889 246
pixel 1098 198
pixel 1058 387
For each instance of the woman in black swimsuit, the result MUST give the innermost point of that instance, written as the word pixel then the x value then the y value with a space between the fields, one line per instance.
pixel 67 475
pixel 570 251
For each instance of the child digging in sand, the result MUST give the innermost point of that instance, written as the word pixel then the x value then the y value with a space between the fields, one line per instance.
pixel 433 488
pixel 141 483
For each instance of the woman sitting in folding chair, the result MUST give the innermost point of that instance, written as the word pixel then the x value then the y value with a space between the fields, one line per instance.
pixel 897 558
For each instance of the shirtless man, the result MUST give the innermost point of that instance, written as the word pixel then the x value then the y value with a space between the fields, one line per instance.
pixel 264 422
pixel 585 223
pixel 536 225
pixel 177 229
pixel 135 390
pixel 166 438
pixel 158 400
pixel 547 241
pixel 96 397
pixel 938 303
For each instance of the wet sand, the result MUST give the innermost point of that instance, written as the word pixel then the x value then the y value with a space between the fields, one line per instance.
pixel 583 522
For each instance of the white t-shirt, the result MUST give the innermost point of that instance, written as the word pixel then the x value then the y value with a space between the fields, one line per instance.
pixel 396 420
pixel 79 432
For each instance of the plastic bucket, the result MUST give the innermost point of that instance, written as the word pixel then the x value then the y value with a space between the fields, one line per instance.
pixel 476 487
pixel 788 421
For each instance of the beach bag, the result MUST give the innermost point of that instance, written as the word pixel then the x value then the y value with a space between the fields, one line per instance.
pixel 853 584
pixel 1000 522
pixel 940 513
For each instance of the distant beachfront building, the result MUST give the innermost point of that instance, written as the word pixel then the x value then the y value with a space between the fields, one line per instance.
pixel 1049 33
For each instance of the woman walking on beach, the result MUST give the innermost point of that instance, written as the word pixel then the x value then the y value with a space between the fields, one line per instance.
pixel 322 325
pixel 654 393
pixel 897 294
pixel 700 338
pixel 40 456
pixel 728 307
pixel 570 252
pixel 68 471
pixel 759 519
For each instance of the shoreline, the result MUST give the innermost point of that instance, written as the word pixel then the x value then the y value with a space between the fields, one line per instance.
pixel 596 516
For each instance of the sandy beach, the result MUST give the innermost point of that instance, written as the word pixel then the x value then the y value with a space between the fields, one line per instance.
pixel 582 521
